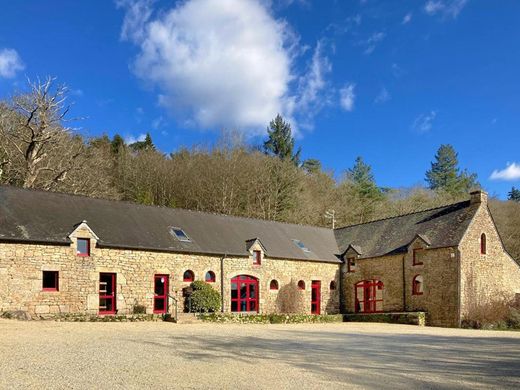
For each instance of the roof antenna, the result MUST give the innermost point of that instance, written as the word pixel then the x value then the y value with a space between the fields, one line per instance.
pixel 331 214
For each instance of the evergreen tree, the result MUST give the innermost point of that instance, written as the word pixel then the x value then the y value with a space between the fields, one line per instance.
pixel 445 174
pixel 281 142
pixel 361 177
pixel 514 194
pixel 117 144
pixel 311 165
pixel 147 144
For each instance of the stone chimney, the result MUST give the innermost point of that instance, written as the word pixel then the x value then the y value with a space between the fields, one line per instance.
pixel 478 196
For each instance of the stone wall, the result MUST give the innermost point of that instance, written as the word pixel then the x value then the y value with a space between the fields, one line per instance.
pixel 486 277
pixel 21 267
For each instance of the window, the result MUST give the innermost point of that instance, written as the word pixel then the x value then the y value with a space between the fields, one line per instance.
pixel 351 264
pixel 244 294
pixel 50 281
pixel 107 293
pixel 273 285
pixel 210 277
pixel 369 296
pixel 301 245
pixel 483 244
pixel 188 276
pixel 417 256
pixel 179 234
pixel 257 257
pixel 301 285
pixel 332 285
pixel 417 285
pixel 83 247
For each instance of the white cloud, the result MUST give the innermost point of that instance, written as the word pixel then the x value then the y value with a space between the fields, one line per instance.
pixel 347 97
pixel 424 122
pixel 446 8
pixel 10 63
pixel 371 42
pixel 510 173
pixel 383 96
pixel 130 139
pixel 407 18
pixel 223 63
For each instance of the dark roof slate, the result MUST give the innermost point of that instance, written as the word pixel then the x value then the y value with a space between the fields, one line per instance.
pixel 39 216
pixel 441 227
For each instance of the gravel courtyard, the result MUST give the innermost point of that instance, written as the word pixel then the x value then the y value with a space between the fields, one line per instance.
pixel 165 355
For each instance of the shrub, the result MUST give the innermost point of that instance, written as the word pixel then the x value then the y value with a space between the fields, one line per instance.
pixel 139 309
pixel 204 298
pixel 270 318
pixel 290 299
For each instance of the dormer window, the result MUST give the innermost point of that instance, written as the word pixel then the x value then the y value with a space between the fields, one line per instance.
pixel 83 247
pixel 301 245
pixel 351 264
pixel 179 234
pixel 257 257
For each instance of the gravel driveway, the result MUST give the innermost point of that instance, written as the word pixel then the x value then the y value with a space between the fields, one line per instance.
pixel 165 355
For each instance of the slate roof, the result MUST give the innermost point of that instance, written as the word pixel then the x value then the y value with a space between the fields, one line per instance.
pixel 441 227
pixel 39 216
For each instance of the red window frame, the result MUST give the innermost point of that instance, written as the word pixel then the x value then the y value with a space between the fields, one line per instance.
pixel 159 297
pixel 56 278
pixel 257 257
pixel 414 261
pixel 210 277
pixel 301 285
pixel 87 240
pixel 110 296
pixel 483 244
pixel 248 301
pixel 273 285
pixel 415 286
pixel 351 264
pixel 191 276
pixel 370 302
pixel 316 297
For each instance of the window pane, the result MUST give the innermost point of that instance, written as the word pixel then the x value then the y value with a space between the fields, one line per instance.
pixel 158 304
pixel 234 305
pixel 159 286
pixel 243 290
pixel 252 305
pixel 82 246
pixel 50 280
pixel 243 306
pixel 252 290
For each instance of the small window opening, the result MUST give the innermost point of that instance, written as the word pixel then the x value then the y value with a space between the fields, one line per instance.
pixel 417 285
pixel 50 281
pixel 483 244
pixel 301 285
pixel 188 276
pixel 417 256
pixel 301 245
pixel 351 264
pixel 210 277
pixel 180 234
pixel 273 285
pixel 83 247
pixel 332 285
pixel 257 257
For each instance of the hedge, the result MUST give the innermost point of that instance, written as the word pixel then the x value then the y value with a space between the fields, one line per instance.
pixel 269 318
pixel 410 318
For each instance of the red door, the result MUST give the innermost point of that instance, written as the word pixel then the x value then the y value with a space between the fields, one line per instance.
pixel 244 294
pixel 107 293
pixel 160 297
pixel 315 297
pixel 369 296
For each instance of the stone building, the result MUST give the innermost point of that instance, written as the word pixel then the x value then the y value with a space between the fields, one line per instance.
pixel 63 253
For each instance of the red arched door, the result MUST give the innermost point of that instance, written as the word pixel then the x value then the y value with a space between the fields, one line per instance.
pixel 369 296
pixel 244 294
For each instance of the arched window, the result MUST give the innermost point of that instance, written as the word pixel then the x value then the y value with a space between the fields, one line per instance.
pixel 301 285
pixel 332 285
pixel 273 285
pixel 188 276
pixel 417 285
pixel 210 277
pixel 244 294
pixel 483 244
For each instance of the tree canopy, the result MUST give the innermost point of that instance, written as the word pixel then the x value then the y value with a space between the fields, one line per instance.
pixel 280 142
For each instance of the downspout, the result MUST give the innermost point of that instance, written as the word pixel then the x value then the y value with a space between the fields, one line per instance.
pixel 222 282
pixel 404 284
pixel 459 288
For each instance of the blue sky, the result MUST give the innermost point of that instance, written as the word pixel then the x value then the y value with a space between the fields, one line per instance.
pixel 389 81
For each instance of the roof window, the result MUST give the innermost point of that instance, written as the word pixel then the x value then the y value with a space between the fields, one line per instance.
pixel 179 234
pixel 301 245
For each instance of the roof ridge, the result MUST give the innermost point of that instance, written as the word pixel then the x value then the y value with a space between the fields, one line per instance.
pixel 403 215
pixel 158 206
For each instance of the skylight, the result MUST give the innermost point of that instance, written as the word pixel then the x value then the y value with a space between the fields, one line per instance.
pixel 301 245
pixel 179 234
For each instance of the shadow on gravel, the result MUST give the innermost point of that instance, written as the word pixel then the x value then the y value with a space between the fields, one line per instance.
pixel 369 360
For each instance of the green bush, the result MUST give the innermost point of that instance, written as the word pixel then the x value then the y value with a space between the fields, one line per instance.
pixel 411 318
pixel 204 299
pixel 270 318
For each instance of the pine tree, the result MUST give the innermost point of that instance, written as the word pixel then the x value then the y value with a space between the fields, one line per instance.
pixel 361 177
pixel 117 144
pixel 445 174
pixel 311 165
pixel 281 142
pixel 147 144
pixel 514 194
